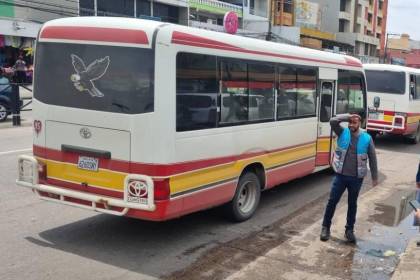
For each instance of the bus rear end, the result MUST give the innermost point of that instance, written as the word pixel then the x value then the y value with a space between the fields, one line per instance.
pixel 94 89
pixel 387 100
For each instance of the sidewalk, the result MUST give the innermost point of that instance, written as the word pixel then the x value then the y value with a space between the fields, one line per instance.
pixel 382 238
pixel 409 266
pixel 24 122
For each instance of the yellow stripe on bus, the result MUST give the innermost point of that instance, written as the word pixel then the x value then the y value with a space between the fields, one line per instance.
pixel 413 119
pixel 192 180
pixel 70 172
pixel 388 118
pixel 178 183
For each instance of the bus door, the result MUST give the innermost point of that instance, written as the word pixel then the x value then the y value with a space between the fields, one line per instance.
pixel 324 141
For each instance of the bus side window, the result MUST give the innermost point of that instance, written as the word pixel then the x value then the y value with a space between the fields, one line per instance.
pixel 261 91
pixel 196 92
pixel 234 105
pixel 350 94
pixel 412 87
pixel 418 86
pixel 286 98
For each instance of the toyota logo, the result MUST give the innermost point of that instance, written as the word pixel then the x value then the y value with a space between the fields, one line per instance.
pixel 85 133
pixel 137 189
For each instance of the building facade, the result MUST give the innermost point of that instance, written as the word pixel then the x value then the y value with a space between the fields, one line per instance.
pixel 357 26
pixel 403 51
pixel 20 22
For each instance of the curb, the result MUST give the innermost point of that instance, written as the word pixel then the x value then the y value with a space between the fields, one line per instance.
pixel 409 266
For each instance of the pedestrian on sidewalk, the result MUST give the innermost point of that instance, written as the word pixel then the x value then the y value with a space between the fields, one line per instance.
pixel 20 70
pixel 417 216
pixel 354 148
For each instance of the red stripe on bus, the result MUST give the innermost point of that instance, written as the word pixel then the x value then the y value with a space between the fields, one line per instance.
pixel 100 34
pixel 290 172
pixel 151 169
pixel 378 122
pixel 389 113
pixel 197 41
pixel 413 114
pixel 322 158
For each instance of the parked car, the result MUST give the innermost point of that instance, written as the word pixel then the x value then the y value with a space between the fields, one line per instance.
pixel 5 97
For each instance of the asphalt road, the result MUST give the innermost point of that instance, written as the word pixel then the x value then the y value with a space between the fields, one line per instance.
pixel 41 240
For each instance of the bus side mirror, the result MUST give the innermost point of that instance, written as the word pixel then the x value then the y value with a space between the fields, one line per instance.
pixel 376 102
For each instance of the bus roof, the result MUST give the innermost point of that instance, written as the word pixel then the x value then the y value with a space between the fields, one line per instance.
pixel 390 67
pixel 139 32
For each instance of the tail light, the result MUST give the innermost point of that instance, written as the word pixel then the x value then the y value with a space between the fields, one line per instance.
pixel 399 119
pixel 161 189
pixel 42 171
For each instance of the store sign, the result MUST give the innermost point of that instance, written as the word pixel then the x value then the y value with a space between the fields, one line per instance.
pixel 307 14
pixel 231 22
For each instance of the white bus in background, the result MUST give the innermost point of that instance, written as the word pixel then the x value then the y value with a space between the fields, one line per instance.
pixel 397 93
pixel 155 121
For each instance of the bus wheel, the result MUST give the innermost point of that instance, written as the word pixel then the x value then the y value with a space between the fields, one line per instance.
pixel 246 199
pixel 415 138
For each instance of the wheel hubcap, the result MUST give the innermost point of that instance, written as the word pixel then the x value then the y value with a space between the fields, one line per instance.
pixel 247 195
pixel 3 112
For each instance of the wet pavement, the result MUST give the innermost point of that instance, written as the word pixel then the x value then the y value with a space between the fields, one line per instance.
pixel 377 255
pixel 290 248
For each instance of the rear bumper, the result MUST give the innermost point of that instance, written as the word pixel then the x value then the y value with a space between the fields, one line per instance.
pixel 389 127
pixel 28 177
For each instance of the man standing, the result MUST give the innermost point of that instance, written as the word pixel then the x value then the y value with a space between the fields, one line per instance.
pixel 354 147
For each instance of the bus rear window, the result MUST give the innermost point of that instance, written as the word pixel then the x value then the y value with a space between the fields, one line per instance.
pixel 385 81
pixel 92 77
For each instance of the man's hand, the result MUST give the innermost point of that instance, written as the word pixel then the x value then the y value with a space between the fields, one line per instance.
pixel 418 185
pixel 374 183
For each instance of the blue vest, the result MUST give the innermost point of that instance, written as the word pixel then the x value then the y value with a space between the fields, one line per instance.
pixel 343 143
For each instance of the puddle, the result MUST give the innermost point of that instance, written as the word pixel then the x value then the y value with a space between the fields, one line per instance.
pixel 394 209
pixel 377 255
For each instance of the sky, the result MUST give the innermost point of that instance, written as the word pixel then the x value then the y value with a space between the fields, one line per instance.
pixel 404 17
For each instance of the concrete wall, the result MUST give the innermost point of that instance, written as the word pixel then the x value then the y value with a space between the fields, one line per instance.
pixel 51 10
pixel 329 10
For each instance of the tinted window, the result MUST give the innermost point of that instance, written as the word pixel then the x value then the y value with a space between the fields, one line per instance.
pixel 326 101
pixel 287 92
pixel 418 87
pixel 86 7
pixel 261 92
pixel 385 81
pixel 115 8
pixel 166 12
pixel 102 78
pixel 234 95
pixel 143 8
pixel 306 91
pixel 197 89
pixel 350 94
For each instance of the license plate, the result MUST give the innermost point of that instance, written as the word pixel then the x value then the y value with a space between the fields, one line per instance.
pixel 375 116
pixel 88 163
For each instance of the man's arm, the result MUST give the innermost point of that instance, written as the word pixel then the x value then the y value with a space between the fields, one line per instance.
pixel 373 163
pixel 335 123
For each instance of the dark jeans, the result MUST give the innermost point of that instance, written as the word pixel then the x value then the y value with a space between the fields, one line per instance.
pixel 340 184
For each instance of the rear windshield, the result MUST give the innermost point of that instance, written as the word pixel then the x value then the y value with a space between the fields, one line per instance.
pixel 385 81
pixel 101 78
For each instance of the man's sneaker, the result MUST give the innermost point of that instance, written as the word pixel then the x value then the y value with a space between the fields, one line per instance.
pixel 325 234
pixel 350 236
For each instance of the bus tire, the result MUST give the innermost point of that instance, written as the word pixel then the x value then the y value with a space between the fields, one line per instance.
pixel 415 138
pixel 246 199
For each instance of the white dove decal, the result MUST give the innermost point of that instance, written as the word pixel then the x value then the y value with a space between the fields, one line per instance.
pixel 85 76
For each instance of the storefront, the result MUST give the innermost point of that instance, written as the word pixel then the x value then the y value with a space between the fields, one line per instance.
pixel 17 38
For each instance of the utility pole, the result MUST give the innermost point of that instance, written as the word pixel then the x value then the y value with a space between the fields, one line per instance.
pixel 386 45
pixel 270 18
